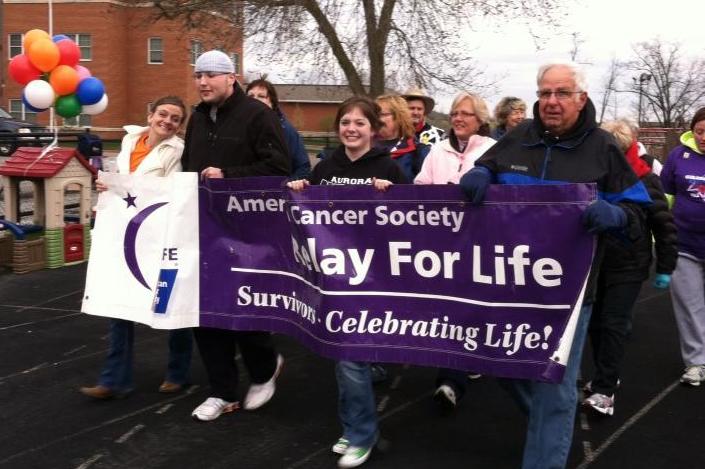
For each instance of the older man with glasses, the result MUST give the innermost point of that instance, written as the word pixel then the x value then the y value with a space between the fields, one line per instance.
pixel 562 145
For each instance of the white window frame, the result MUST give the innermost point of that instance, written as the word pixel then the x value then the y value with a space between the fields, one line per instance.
pixel 80 121
pixel 76 37
pixel 23 113
pixel 150 50
pixel 10 47
pixel 235 57
pixel 196 50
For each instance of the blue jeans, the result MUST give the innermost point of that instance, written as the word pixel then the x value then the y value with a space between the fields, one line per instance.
pixel 356 403
pixel 117 369
pixel 551 407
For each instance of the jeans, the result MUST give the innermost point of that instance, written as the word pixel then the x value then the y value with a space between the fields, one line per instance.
pixel 610 326
pixel 551 407
pixel 117 369
pixel 356 403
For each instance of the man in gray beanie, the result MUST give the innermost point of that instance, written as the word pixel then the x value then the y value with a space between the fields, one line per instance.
pixel 232 135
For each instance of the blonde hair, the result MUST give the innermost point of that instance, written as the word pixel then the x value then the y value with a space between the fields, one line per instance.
pixel 400 111
pixel 505 107
pixel 623 132
pixel 478 104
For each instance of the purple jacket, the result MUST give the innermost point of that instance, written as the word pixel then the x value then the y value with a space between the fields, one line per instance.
pixel 683 176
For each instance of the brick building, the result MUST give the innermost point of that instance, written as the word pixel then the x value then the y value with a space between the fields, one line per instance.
pixel 137 57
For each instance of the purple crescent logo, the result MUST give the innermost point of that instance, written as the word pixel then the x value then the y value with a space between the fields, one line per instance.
pixel 129 244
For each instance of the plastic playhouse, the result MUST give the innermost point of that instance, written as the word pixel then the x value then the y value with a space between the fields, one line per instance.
pixel 51 241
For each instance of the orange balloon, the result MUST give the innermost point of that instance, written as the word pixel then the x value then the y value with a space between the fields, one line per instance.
pixel 64 80
pixel 32 35
pixel 44 54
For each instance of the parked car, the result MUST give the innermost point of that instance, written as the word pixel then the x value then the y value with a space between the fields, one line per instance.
pixel 11 127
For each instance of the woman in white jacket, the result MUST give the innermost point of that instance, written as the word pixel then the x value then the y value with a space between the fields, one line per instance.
pixel 156 150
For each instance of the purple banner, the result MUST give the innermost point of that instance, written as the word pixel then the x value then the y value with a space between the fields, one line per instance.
pixel 414 275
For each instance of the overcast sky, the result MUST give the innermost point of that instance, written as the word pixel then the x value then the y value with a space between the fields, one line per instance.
pixel 607 28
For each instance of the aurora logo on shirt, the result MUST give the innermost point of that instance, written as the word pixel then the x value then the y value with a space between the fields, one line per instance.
pixel 341 181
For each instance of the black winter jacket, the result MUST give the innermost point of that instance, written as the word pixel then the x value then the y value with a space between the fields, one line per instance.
pixel 529 154
pixel 245 140
pixel 632 262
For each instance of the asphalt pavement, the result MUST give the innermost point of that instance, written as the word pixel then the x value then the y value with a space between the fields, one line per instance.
pixel 48 349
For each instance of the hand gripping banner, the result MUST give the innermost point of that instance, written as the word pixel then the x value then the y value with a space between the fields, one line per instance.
pixel 414 275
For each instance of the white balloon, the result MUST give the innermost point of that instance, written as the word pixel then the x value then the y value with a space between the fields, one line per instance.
pixel 39 94
pixel 97 108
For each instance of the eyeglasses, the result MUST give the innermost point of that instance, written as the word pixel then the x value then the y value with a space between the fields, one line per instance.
pixel 463 114
pixel 199 75
pixel 561 95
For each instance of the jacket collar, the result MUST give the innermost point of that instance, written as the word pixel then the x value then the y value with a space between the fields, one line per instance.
pixel 584 125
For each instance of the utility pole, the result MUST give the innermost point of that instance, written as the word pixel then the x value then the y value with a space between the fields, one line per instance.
pixel 639 83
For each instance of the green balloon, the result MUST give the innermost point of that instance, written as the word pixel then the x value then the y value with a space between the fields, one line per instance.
pixel 68 106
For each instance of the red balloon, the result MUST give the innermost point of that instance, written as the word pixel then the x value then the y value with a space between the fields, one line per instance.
pixel 22 71
pixel 69 53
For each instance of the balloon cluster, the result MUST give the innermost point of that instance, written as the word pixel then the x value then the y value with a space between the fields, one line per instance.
pixel 52 77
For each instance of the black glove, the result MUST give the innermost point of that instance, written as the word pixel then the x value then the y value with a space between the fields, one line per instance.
pixel 475 183
pixel 601 216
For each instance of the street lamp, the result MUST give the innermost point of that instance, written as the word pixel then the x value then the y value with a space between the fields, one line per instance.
pixel 643 78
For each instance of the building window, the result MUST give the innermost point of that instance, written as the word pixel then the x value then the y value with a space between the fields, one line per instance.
pixel 19 111
pixel 235 57
pixel 155 50
pixel 15 44
pixel 196 50
pixel 82 120
pixel 84 44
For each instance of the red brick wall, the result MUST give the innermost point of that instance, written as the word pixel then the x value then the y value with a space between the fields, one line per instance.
pixel 119 37
pixel 310 117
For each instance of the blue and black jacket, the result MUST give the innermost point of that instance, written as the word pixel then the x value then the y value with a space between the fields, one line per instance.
pixel 529 154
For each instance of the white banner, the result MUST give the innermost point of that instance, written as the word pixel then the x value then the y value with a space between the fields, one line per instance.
pixel 144 257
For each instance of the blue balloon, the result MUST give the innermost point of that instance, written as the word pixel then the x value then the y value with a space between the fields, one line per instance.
pixel 29 107
pixel 90 90
pixel 59 37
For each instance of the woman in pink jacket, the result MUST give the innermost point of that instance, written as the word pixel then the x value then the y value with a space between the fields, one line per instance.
pixel 467 140
pixel 448 160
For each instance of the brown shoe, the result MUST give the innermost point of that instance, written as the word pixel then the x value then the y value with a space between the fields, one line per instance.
pixel 168 387
pixel 98 392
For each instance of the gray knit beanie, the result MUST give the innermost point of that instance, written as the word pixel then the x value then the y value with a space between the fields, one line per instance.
pixel 214 61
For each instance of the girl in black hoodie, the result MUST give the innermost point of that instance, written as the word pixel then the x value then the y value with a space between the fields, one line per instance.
pixel 356 162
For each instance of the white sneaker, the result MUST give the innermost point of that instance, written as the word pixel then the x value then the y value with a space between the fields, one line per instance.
pixel 693 375
pixel 340 446
pixel 601 403
pixel 445 397
pixel 354 456
pixel 212 408
pixel 259 394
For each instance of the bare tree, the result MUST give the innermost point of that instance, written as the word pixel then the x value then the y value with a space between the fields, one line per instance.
pixel 375 42
pixel 667 84
pixel 609 87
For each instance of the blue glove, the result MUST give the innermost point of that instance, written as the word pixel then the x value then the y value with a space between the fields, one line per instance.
pixel 601 216
pixel 662 281
pixel 475 183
